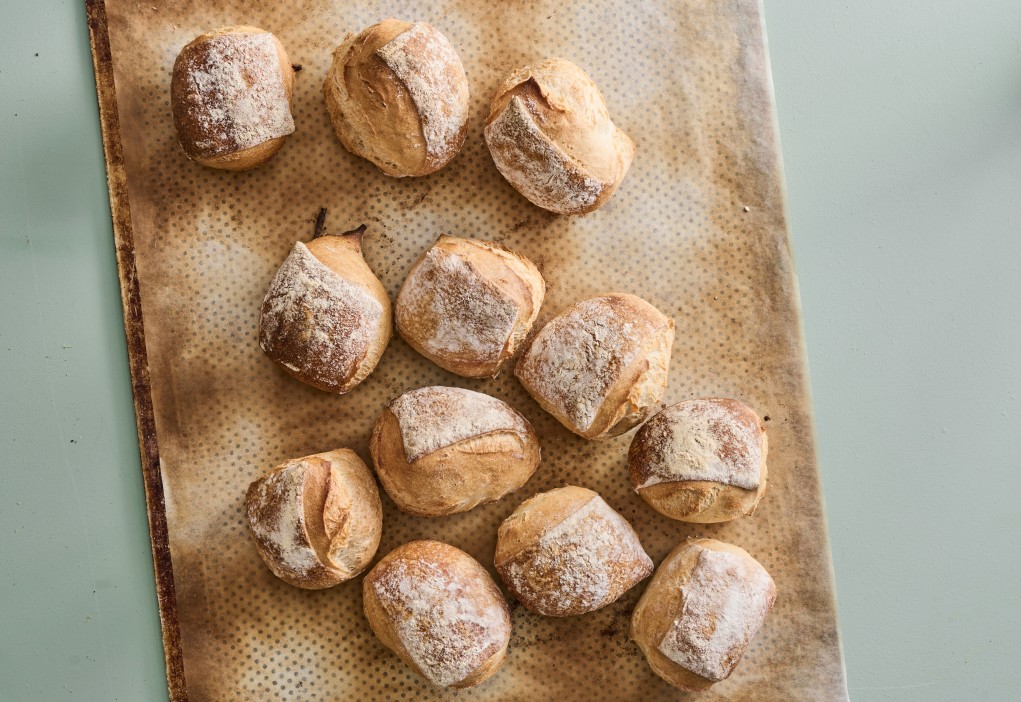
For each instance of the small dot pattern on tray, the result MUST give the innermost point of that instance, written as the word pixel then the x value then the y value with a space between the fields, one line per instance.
pixel 697 228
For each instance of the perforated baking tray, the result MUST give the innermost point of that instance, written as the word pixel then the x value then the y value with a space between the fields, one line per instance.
pixel 698 228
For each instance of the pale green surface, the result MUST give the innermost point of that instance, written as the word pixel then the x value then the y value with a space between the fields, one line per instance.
pixel 901 127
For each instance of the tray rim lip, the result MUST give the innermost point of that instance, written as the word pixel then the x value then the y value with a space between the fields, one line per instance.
pixel 134 328
pixel 138 362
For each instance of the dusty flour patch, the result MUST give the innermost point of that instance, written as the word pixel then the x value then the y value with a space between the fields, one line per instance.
pixel 434 417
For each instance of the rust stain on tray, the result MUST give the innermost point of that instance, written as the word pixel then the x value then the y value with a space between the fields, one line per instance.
pixel 697 228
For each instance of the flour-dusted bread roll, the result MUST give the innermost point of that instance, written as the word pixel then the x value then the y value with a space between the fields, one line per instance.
pixel 316 520
pixel 326 317
pixel 551 137
pixel 231 96
pixel 441 450
pixel 600 365
pixel 467 305
pixel 567 552
pixel 701 461
pixel 439 610
pixel 398 96
pixel 704 604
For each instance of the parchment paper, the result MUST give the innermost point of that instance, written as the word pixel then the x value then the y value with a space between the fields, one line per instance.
pixel 698 229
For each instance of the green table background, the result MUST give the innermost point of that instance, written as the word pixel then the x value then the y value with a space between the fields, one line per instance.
pixel 901 129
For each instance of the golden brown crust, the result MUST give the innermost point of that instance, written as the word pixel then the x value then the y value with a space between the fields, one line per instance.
pixel 600 366
pixel 440 450
pixel 326 318
pixel 663 603
pixel 221 122
pixel 551 137
pixel 398 96
pixel 316 520
pixel 701 461
pixel 467 304
pixel 566 552
pixel 439 610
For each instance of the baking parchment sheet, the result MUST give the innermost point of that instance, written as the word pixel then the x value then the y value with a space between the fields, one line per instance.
pixel 698 229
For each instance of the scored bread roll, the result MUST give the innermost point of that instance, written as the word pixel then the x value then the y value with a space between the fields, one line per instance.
pixel 441 450
pixel 326 317
pixel 567 552
pixel 316 520
pixel 467 304
pixel 600 365
pixel 398 96
pixel 438 609
pixel 552 138
pixel 231 97
pixel 703 606
pixel 701 460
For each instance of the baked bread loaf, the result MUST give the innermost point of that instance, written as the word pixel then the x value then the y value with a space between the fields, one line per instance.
pixel 326 317
pixel 600 365
pixel 439 610
pixel 316 520
pixel 231 96
pixel 704 604
pixel 398 96
pixel 467 304
pixel 701 460
pixel 566 552
pixel 441 450
pixel 551 137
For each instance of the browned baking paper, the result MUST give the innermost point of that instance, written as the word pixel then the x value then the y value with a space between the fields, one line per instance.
pixel 698 228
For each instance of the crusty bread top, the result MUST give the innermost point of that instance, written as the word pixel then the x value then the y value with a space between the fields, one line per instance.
pixel 724 602
pixel 444 607
pixel 566 551
pixel 711 439
pixel 317 519
pixel 551 136
pixel 319 324
pixel 399 97
pixel 229 92
pixel 467 303
pixel 432 418
pixel 575 360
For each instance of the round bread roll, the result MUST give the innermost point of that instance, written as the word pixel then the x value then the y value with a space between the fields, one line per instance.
pixel 600 365
pixel 316 520
pixel 326 317
pixel 398 96
pixel 467 305
pixel 551 137
pixel 701 460
pixel 444 450
pixel 439 610
pixel 702 608
pixel 566 552
pixel 231 96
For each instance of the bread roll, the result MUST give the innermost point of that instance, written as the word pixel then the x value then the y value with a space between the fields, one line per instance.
pixel 316 520
pixel 398 96
pixel 467 305
pixel 443 450
pixel 326 317
pixel 551 137
pixel 231 96
pixel 702 608
pixel 439 610
pixel 600 365
pixel 566 552
pixel 701 460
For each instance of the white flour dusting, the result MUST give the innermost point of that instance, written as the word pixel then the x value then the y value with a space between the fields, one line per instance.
pixel 701 440
pixel 448 628
pixel 235 93
pixel 725 603
pixel 434 417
